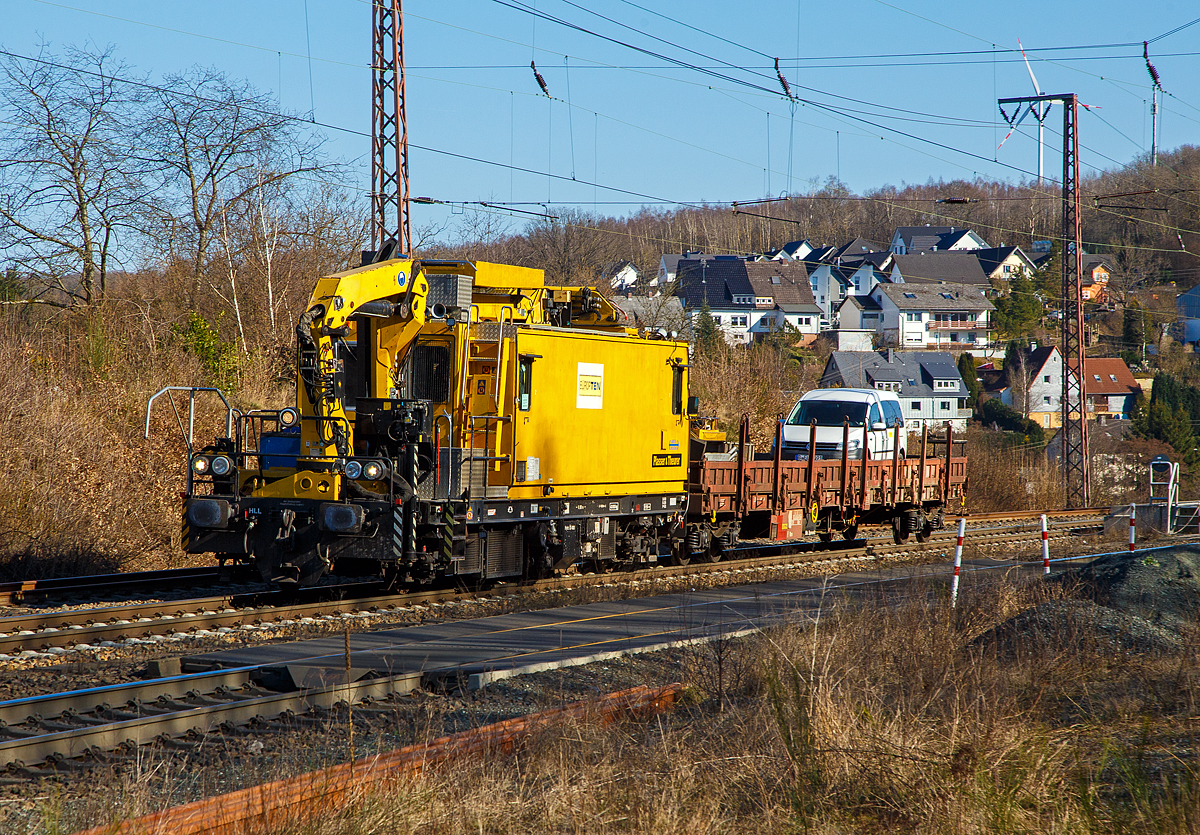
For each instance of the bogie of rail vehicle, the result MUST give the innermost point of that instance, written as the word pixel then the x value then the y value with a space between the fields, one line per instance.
pixel 466 421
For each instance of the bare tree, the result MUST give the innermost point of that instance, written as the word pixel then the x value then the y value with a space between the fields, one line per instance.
pixel 71 177
pixel 569 247
pixel 218 141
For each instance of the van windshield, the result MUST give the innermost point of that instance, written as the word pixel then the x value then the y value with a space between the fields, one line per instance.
pixel 828 413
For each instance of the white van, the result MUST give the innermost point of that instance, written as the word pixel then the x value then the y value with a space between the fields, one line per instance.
pixel 879 411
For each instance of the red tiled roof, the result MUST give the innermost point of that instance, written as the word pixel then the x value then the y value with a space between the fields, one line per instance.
pixel 1106 369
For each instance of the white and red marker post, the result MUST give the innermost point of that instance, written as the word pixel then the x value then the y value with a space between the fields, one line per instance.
pixel 962 529
pixel 1132 526
pixel 1045 546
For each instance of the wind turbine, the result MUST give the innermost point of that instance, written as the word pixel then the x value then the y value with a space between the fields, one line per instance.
pixel 1040 111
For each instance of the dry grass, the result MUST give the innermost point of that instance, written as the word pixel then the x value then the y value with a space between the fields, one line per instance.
pixel 83 490
pixel 893 714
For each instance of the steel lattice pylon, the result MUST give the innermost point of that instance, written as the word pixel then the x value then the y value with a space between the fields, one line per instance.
pixel 389 130
pixel 1074 382
pixel 1074 386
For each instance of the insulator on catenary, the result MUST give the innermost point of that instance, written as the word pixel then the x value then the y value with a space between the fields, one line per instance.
pixel 787 91
pixel 541 81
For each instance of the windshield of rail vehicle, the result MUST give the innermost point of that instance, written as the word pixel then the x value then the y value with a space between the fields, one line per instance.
pixel 828 413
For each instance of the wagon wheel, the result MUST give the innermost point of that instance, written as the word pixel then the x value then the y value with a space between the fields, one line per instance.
pixel 849 532
pixel 825 531
pixel 678 554
pixel 899 534
pixel 924 533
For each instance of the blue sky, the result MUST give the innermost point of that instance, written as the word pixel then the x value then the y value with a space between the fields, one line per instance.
pixel 625 128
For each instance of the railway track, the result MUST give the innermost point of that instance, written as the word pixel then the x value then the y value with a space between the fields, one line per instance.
pixel 66 633
pixel 79 728
pixel 24 592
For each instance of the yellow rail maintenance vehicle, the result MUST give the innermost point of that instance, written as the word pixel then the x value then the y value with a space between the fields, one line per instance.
pixel 453 419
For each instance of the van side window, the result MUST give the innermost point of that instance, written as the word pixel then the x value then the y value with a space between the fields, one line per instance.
pixel 875 418
pixel 891 413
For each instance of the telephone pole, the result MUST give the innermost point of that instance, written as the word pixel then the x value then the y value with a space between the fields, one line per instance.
pixel 389 131
pixel 1074 385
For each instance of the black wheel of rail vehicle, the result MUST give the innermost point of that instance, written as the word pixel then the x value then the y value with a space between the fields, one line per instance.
pixel 719 547
pixel 899 534
pixel 924 533
pixel 849 532
pixel 679 553
pixel 825 530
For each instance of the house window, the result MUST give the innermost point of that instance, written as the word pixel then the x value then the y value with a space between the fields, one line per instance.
pixel 1112 377
pixel 945 384
pixel 805 320
pixel 1008 268
pixel 870 317
pixel 1046 400
pixel 913 317
pixel 1046 378
pixel 737 321
pixel 1097 376
pixel 962 402
pixel 910 295
pixel 944 405
pixel 916 407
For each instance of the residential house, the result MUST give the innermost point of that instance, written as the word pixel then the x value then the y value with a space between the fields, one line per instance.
pixel 622 276
pixel 744 307
pixel 1094 277
pixel 914 316
pixel 1110 388
pixel 1001 263
pixel 856 248
pixel 928 383
pixel 834 277
pixel 958 270
pixel 791 251
pixel 782 288
pixel 668 265
pixel 1033 386
pixel 908 240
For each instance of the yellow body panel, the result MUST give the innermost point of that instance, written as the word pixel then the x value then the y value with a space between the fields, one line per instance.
pixel 619 436
pixel 303 484
pixel 600 418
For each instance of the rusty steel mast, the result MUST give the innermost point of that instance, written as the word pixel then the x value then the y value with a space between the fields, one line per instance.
pixel 389 131
pixel 1074 385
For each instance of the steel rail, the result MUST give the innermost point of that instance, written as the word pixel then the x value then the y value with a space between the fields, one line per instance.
pixel 146 621
pixel 177 717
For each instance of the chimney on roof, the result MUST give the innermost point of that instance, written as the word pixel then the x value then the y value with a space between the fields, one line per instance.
pixel 891 355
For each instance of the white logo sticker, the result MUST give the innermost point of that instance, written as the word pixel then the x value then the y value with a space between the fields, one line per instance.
pixel 589 386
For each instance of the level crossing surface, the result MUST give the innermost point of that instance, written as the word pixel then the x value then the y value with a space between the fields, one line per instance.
pixel 479 650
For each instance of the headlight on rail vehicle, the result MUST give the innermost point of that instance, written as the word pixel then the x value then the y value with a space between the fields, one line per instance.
pixel 200 465
pixel 222 465
pixel 369 470
pixel 289 417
